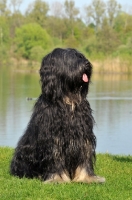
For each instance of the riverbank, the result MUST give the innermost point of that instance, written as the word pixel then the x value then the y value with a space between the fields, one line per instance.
pixel 104 66
pixel 113 66
pixel 115 168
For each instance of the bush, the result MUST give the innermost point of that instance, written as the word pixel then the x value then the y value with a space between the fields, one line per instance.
pixel 37 53
pixel 29 36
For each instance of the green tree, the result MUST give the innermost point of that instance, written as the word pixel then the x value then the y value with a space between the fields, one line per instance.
pixel 71 42
pixel 113 9
pixel 70 10
pixel 71 14
pixel 55 23
pixel 4 40
pixel 95 13
pixel 15 21
pixel 29 36
pixel 57 28
pixel 38 12
pixel 4 11
pixel 107 38
pixel 15 4
pixel 56 9
pixel 37 53
pixel 79 28
pixel 2 7
pixel 4 31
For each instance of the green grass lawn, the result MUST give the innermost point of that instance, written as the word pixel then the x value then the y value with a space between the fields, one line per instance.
pixel 116 169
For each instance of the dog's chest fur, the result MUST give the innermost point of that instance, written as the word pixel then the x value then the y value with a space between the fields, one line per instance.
pixel 70 131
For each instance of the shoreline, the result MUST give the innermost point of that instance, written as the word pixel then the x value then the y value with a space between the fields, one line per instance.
pixel 107 66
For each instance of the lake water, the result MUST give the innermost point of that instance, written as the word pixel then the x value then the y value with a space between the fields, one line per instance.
pixel 110 97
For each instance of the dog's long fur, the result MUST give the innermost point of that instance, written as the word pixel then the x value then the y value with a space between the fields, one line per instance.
pixel 59 144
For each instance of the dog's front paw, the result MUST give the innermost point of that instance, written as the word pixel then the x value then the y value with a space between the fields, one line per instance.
pixel 56 178
pixel 81 176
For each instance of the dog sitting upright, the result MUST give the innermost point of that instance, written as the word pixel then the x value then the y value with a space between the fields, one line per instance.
pixel 59 144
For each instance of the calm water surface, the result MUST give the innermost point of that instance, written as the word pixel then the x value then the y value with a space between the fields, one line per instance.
pixel 110 97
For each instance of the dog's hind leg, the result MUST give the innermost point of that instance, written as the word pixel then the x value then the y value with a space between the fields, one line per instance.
pixel 82 176
pixel 56 178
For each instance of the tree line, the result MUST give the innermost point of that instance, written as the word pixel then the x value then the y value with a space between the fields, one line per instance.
pixel 101 29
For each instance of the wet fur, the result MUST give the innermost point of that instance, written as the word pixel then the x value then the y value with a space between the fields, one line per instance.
pixel 59 144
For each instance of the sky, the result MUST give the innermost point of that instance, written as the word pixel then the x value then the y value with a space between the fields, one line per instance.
pixel 126 4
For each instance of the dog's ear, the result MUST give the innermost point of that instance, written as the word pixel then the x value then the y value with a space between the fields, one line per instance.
pixel 51 89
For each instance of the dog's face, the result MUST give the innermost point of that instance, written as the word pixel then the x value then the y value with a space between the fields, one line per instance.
pixel 65 73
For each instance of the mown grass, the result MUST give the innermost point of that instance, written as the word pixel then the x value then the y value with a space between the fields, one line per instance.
pixel 116 169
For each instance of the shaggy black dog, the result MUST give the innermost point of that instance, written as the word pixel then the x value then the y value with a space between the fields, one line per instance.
pixel 58 144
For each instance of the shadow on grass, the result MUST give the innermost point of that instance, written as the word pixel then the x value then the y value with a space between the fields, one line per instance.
pixel 122 158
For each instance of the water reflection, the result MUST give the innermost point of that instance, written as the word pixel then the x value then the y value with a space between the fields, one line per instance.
pixel 110 98
pixel 15 110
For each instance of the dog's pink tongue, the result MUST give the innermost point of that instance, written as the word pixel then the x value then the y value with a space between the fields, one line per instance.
pixel 85 78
